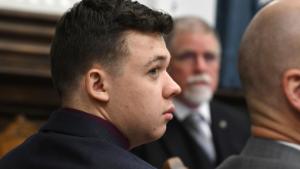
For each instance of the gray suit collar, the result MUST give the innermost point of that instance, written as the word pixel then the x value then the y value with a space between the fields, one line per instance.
pixel 270 149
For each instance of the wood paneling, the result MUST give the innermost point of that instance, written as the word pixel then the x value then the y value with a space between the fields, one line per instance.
pixel 26 92
pixel 25 40
pixel 25 43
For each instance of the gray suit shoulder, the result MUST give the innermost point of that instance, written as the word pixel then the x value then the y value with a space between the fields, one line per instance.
pixel 262 153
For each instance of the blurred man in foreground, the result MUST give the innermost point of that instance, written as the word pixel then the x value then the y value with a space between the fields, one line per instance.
pixel 269 67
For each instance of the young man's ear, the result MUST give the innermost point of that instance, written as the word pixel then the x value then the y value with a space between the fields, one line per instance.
pixel 291 87
pixel 96 83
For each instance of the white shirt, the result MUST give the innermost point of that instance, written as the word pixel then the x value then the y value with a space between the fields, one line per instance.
pixel 182 111
pixel 292 145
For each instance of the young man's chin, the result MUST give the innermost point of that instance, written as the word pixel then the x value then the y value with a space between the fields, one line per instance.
pixel 152 137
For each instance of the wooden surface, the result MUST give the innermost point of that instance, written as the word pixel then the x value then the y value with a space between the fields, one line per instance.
pixel 16 132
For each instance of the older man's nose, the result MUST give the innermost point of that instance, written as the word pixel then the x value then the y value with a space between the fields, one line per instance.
pixel 200 64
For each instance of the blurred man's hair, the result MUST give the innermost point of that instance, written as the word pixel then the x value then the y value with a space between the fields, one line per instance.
pixel 189 24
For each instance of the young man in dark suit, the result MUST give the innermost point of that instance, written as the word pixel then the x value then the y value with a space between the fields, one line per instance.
pixel 204 131
pixel 108 63
pixel 269 66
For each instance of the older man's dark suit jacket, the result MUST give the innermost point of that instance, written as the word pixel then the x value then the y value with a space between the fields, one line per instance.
pixel 230 128
pixel 264 154
pixel 72 140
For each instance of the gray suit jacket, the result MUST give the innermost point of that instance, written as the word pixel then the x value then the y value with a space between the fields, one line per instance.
pixel 264 154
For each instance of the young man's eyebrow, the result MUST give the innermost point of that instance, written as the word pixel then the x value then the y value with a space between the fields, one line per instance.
pixel 159 58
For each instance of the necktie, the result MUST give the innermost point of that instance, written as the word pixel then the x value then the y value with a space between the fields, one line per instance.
pixel 200 131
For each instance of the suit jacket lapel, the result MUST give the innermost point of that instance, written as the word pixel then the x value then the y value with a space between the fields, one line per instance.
pixel 227 124
pixel 179 143
pixel 219 127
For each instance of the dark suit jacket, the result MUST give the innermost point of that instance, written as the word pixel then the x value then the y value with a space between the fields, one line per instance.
pixel 230 129
pixel 264 154
pixel 73 140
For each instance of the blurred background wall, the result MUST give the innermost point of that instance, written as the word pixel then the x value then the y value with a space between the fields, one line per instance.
pixel 203 8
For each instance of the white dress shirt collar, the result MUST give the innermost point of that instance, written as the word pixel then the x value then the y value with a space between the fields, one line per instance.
pixel 292 145
pixel 182 111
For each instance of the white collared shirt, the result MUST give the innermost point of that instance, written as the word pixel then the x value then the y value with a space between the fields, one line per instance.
pixel 182 111
pixel 292 145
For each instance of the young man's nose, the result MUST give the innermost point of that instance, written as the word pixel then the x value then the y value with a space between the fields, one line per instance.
pixel 171 88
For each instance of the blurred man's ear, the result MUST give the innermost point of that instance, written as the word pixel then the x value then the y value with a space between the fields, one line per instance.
pixel 96 84
pixel 291 86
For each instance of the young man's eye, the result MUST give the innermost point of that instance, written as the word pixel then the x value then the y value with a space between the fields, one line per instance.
pixel 154 72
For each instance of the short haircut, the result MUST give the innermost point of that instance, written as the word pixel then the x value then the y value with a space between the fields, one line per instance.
pixel 189 24
pixel 92 32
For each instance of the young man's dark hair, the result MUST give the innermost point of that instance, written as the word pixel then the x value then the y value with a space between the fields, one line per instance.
pixel 109 63
pixel 92 31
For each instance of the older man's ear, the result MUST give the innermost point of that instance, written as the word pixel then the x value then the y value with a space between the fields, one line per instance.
pixel 291 87
pixel 96 84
